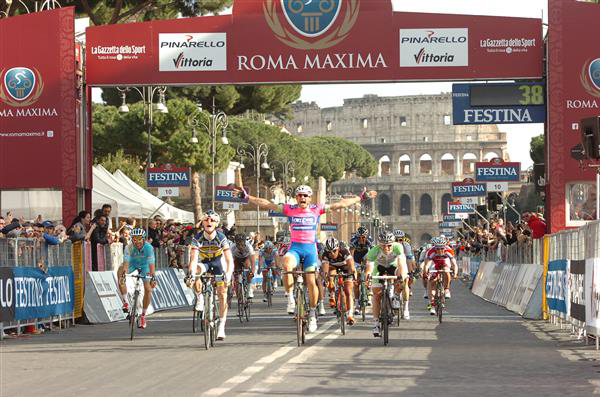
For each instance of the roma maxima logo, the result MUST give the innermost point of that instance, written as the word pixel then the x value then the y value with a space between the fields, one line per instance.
pixel 20 86
pixel 590 77
pixel 312 24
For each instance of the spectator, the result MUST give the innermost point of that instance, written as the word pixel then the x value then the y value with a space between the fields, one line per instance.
pixel 49 235
pixel 106 210
pixel 154 235
pixel 98 234
pixel 535 224
pixel 79 226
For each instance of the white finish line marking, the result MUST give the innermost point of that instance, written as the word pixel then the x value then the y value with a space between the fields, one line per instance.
pixel 282 351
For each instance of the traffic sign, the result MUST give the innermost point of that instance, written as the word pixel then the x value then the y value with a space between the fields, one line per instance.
pixel 498 103
pixel 168 192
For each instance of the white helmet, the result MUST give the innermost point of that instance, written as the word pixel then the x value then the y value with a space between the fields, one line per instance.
pixel 304 189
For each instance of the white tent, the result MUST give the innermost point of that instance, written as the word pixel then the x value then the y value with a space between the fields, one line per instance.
pixel 167 211
pixel 106 193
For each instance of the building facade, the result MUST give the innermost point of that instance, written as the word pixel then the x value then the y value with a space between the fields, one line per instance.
pixel 418 149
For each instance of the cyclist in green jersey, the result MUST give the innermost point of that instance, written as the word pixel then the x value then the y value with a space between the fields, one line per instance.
pixel 387 258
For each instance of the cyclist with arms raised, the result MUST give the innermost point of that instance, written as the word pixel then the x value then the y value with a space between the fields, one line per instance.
pixel 138 255
pixel 211 254
pixel 304 219
pixel 337 258
pixel 387 259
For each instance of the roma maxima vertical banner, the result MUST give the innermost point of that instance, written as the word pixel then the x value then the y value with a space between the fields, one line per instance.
pixel 573 94
pixel 37 104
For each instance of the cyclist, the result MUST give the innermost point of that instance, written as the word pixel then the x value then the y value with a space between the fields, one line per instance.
pixel 360 244
pixel 401 238
pixel 283 244
pixel 337 258
pixel 211 254
pixel 244 257
pixel 303 219
pixel 138 255
pixel 320 278
pixel 436 243
pixel 387 258
pixel 440 260
pixel 266 260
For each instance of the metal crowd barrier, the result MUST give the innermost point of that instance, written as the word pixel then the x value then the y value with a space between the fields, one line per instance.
pixel 517 253
pixel 27 252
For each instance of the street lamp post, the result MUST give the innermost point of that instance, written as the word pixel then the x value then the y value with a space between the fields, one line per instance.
pixel 217 121
pixel 286 166
pixel 256 153
pixel 147 94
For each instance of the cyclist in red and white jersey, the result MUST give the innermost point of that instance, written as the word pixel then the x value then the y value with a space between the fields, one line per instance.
pixel 441 259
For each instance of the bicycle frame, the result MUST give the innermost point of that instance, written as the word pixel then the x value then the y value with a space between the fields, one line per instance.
pixel 386 313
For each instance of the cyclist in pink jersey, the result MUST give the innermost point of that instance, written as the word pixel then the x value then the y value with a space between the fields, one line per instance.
pixel 303 219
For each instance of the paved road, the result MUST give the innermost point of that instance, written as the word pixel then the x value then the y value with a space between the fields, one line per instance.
pixel 480 350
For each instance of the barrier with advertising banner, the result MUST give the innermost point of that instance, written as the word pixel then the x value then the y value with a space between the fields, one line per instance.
pixel 29 292
pixel 592 295
pixel 557 287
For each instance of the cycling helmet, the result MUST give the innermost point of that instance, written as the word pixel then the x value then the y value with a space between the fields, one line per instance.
pixel 362 231
pixel 138 232
pixel 438 242
pixel 398 234
pixel 212 215
pixel 386 237
pixel 268 245
pixel 250 240
pixel 331 244
pixel 304 189
pixel 239 238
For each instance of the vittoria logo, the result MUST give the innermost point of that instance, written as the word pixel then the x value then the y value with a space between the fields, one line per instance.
pixel 590 77
pixel 20 86
pixel 312 19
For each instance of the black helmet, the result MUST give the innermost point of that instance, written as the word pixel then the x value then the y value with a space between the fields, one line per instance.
pixel 362 231
pixel 240 238
pixel 331 244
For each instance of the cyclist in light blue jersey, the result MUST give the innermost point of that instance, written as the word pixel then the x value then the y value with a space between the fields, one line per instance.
pixel 266 260
pixel 139 255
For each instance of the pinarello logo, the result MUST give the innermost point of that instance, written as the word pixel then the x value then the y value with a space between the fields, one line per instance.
pixel 590 77
pixel 310 19
pixel 20 86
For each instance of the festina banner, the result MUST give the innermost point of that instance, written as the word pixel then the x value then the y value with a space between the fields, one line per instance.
pixel 328 227
pixel 497 172
pixel 592 295
pixel 465 189
pixel 455 207
pixel 557 287
pixel 28 292
pixel 228 194
pixel 272 41
pixel 168 177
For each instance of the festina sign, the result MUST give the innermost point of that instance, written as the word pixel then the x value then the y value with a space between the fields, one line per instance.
pixel 495 171
pixel 451 218
pixel 328 227
pixel 466 189
pixel 455 207
pixel 449 225
pixel 228 194
pixel 168 176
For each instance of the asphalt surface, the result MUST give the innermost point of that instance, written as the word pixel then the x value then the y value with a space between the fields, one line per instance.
pixel 479 350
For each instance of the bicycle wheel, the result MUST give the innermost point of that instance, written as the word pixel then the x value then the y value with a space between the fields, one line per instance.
pixel 341 307
pixel 439 301
pixel 363 300
pixel 206 321
pixel 133 314
pixel 300 316
pixel 247 309
pixel 240 301
pixel 215 319
pixel 400 310
pixel 269 290
pixel 385 322
pixel 196 318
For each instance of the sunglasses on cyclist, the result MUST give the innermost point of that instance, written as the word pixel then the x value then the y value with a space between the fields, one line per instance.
pixel 302 195
pixel 386 246
pixel 138 238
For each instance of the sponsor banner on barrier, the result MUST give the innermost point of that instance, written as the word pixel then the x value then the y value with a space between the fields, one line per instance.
pixel 592 295
pixel 482 279
pixel 577 290
pixel 168 293
pixel 7 294
pixel 474 263
pixel 557 287
pixel 103 302
pixel 189 294
pixel 39 294
pixel 525 283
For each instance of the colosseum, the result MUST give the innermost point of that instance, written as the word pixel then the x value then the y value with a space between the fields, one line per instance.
pixel 418 149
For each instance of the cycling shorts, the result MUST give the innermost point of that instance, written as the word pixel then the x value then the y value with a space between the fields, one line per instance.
pixel 384 271
pixel 213 266
pixel 341 267
pixel 267 263
pixel 144 270
pixel 239 264
pixel 305 253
